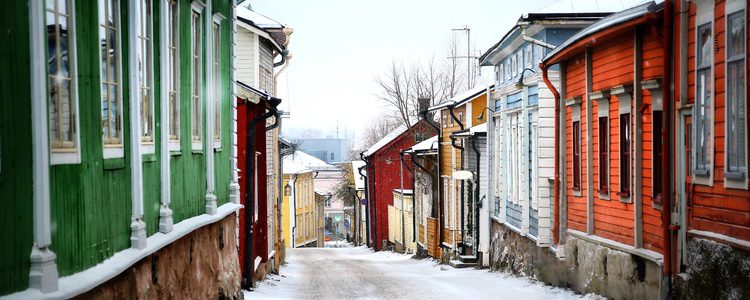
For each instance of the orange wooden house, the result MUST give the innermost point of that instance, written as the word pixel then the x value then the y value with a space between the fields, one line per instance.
pixel 660 78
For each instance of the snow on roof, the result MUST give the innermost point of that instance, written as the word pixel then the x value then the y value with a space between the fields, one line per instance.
pixel 259 20
pixel 614 19
pixel 426 145
pixel 301 162
pixel 462 97
pixel 481 128
pixel 590 6
pixel 359 181
pixel 387 139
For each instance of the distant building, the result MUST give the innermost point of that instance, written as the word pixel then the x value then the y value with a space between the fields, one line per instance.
pixel 329 150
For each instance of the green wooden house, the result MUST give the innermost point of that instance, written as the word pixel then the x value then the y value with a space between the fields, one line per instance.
pixel 115 134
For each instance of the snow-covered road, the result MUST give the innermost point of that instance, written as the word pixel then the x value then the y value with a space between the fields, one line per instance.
pixel 346 273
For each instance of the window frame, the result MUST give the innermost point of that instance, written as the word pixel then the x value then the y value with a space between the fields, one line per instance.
pixel 657 123
pixel 703 172
pixel 735 176
pixel 216 72
pixel 65 155
pixel 146 142
pixel 604 161
pixel 576 155
pixel 173 75
pixel 112 150
pixel 196 113
pixel 625 155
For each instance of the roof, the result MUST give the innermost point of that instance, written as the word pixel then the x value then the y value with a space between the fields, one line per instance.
pixel 359 181
pixel 612 20
pixel 385 140
pixel 301 162
pixel 426 145
pixel 462 97
pixel 587 6
pixel 249 93
pixel 273 28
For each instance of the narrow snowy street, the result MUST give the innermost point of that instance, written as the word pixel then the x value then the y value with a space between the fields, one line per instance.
pixel 346 273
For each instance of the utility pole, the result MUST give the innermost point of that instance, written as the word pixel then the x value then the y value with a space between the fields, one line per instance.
pixel 468 56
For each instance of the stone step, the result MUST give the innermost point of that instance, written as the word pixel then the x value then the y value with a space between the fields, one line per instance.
pixel 468 258
pixel 460 265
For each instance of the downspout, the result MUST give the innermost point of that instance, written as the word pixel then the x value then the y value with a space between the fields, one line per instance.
pixel 556 94
pixel 249 190
pixel 367 205
pixel 453 143
pixel 666 145
pixel 460 125
pixel 371 222
pixel 439 190
pixel 413 199
pixel 476 196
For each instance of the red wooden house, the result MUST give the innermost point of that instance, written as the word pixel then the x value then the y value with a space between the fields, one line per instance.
pixel 254 107
pixel 383 175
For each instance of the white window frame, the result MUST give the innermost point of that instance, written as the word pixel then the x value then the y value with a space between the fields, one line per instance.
pixel 115 150
pixel 196 140
pixel 704 15
pixel 217 20
pixel 173 74
pixel 70 155
pixel 737 182
pixel 147 104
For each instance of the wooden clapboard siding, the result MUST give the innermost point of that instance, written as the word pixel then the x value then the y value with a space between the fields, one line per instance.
pixel 16 178
pixel 446 167
pixel 432 238
pixel 716 208
pixel 612 63
pixel 652 233
pixel 222 159
pixel 653 56
pixel 576 87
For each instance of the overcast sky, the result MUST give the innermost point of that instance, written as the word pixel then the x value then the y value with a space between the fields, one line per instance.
pixel 339 46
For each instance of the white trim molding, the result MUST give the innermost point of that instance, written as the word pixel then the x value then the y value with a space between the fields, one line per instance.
pixel 209 119
pixel 137 225
pixel 165 213
pixel 43 274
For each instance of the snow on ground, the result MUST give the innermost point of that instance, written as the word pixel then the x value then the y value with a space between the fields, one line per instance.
pixel 338 244
pixel 360 273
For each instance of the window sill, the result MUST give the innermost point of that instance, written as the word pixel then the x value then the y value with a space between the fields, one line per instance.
pixel 604 195
pixel 175 153
pixel 217 150
pixel 737 176
pixel 197 151
pixel 150 157
pixel 114 163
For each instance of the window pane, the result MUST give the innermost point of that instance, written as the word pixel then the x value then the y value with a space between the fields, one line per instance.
pixel 705 45
pixel 736 34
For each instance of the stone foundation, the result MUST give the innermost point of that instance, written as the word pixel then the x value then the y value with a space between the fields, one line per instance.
pixel 587 267
pixel 201 265
pixel 714 271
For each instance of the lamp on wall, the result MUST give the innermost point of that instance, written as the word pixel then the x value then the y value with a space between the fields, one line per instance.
pixel 519 84
pixel 481 116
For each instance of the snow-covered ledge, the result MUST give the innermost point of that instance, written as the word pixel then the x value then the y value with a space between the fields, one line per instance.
pixel 81 282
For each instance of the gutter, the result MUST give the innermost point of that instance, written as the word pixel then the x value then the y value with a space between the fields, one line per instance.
pixel 556 94
pixel 367 206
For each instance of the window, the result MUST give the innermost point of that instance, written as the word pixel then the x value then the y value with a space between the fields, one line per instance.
pixel 657 124
pixel 217 83
pixel 145 73
pixel 173 77
pixel 703 98
pixel 109 31
pixel 61 90
pixel 287 190
pixel 736 146
pixel 196 89
pixel 446 200
pixel 527 56
pixel 577 155
pixel 603 155
pixel 625 155
pixel 331 159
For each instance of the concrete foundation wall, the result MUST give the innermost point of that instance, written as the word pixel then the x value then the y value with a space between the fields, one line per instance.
pixel 201 265
pixel 586 268
pixel 714 271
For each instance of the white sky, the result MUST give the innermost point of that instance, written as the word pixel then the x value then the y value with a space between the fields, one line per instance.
pixel 340 46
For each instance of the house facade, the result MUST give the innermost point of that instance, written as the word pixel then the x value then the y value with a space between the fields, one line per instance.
pixel 383 161
pixel 113 147
pixel 424 157
pixel 459 222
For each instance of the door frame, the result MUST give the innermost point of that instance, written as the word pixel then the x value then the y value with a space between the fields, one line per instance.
pixel 681 185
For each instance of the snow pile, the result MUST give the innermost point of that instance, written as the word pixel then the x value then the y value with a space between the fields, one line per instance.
pixel 357 272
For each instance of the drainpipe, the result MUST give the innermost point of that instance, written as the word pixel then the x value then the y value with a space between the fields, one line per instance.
pixel 460 125
pixel 367 205
pixel 669 228
pixel 439 190
pixel 371 219
pixel 556 94
pixel 476 196
pixel 249 188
